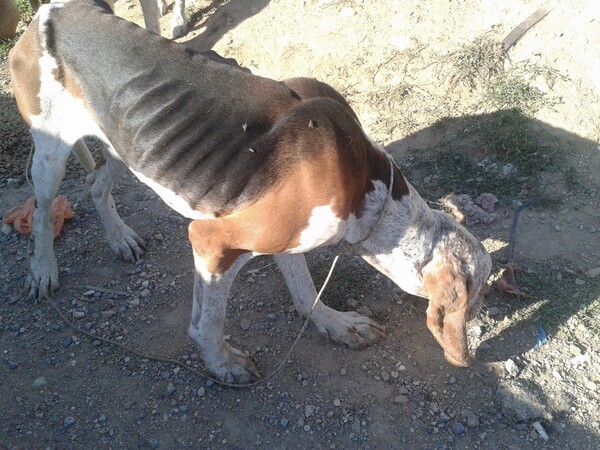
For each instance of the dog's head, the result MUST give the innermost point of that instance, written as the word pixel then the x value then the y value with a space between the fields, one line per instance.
pixel 455 297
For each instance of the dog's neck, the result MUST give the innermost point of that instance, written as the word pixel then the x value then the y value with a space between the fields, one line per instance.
pixel 404 239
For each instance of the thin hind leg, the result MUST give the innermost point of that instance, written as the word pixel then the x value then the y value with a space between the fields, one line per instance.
pixel 123 241
pixel 48 170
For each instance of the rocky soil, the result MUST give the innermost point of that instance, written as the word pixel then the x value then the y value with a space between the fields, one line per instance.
pixel 401 66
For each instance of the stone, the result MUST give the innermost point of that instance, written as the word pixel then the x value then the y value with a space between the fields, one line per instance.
pixel 493 311
pixel 245 324
pixel 69 422
pixel 309 410
pixel 364 311
pixel 458 428
pixel 511 367
pixel 593 273
pixel 402 399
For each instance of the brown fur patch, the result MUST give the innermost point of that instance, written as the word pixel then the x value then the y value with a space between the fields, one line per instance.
pixel 25 72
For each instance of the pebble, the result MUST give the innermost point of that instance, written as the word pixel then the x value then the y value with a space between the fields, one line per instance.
pixel 183 408
pixel 68 422
pixel 337 402
pixel 201 392
pixel 385 376
pixel 477 331
pixel 472 420
pixel 452 380
pixel 458 428
pixel 13 365
pixel 511 367
pixel 272 317
pixel 145 293
pixel 364 311
pixel 493 311
pixel 283 422
pixel 245 324
pixel 593 273
pixel 401 399
pixel 352 303
pixel 153 443
pixel 346 12
pixel 309 410
pixel 403 390
pixel 170 389
pixel 39 381
pixel 579 282
pixel 67 340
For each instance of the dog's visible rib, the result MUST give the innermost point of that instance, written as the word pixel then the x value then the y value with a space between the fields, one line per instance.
pixel 260 166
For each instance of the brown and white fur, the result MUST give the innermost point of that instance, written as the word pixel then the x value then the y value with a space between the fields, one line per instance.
pixel 260 166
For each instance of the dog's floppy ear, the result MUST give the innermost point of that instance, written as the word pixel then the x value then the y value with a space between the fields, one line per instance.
pixel 447 288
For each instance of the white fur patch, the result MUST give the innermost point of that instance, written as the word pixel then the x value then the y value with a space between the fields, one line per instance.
pixel 324 228
pixel 175 201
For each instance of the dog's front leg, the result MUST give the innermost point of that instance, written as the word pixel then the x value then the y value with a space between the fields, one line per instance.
pixel 349 328
pixel 48 170
pixel 225 362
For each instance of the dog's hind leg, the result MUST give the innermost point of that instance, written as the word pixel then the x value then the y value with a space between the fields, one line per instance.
pixel 123 241
pixel 48 170
pixel 349 328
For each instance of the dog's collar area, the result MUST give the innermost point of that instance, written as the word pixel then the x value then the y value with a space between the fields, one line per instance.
pixel 387 199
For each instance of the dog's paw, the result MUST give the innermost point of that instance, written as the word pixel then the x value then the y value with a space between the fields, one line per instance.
pixel 126 244
pixel 179 31
pixel 350 328
pixel 42 280
pixel 233 366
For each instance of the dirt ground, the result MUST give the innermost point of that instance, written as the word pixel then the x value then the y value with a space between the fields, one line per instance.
pixel 460 119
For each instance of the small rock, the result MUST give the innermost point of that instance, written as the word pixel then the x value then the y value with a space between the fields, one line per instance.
pixel 39 381
pixel 145 293
pixel 245 324
pixel 183 409
pixel 472 420
pixel 309 410
pixel 283 422
pixel 403 390
pixel 477 331
pixel 540 429
pixel 364 311
pixel 451 380
pixel 78 314
pixel 134 302
pixel 272 317
pixel 153 443
pixel 13 365
pixel 68 422
pixel 579 282
pixel 6 229
pixel 593 273
pixel 67 341
pixel 511 367
pixel 493 311
pixel 352 303
pixel 385 376
pixel 458 428
pixel 402 399
pixel 170 389
pixel 346 12
pixel 337 402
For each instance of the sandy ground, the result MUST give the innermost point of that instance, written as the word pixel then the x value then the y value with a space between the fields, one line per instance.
pixel 396 64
